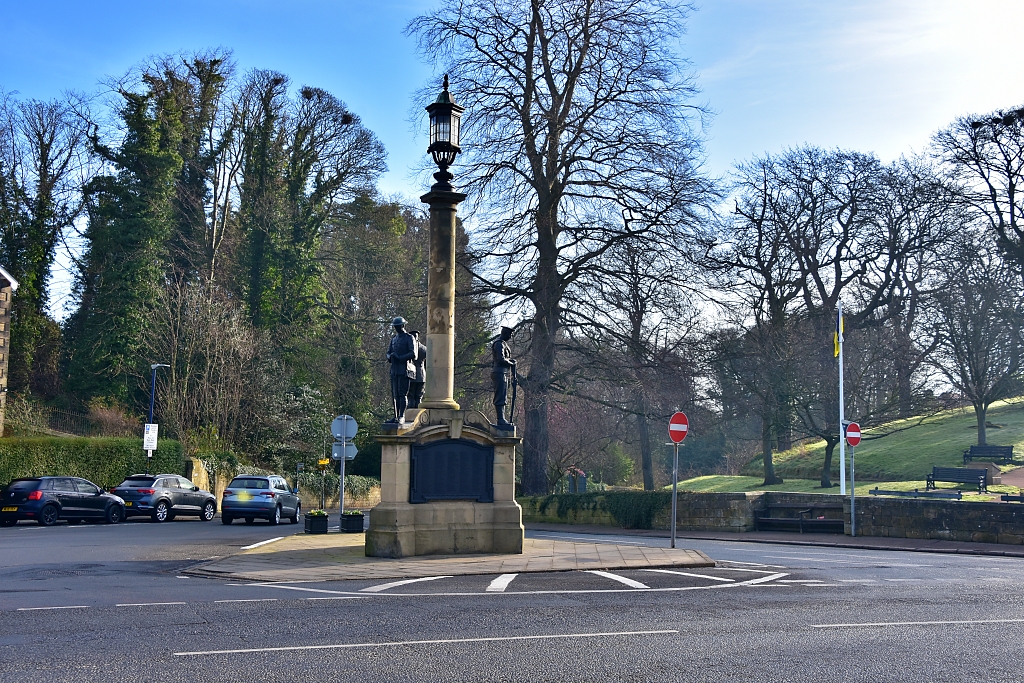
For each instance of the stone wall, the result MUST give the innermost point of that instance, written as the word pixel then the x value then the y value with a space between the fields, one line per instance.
pixel 951 520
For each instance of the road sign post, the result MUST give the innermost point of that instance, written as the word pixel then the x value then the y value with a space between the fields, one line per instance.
pixel 678 426
pixel 149 439
pixel 343 429
pixel 853 438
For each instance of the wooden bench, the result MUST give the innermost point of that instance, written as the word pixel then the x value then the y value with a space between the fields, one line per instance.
pixel 958 475
pixel 1006 498
pixel 917 493
pixel 1003 454
pixel 806 519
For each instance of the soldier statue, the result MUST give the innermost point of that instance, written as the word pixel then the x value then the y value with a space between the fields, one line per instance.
pixel 417 384
pixel 402 356
pixel 503 371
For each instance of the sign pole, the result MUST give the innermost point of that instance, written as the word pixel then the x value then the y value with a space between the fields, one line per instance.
pixel 341 484
pixel 675 484
pixel 853 489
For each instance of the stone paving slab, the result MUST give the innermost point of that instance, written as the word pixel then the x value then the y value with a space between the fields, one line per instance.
pixel 336 557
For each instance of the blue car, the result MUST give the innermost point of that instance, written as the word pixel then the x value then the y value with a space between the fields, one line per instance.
pixel 252 497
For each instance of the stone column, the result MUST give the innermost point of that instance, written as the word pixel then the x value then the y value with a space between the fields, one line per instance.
pixel 440 366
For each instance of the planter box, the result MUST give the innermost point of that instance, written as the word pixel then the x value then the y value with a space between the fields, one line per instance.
pixel 316 525
pixel 352 524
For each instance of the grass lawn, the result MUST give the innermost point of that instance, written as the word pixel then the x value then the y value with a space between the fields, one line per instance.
pixel 906 455
pixel 718 483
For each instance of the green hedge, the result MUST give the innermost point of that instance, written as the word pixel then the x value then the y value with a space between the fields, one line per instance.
pixel 104 461
pixel 629 509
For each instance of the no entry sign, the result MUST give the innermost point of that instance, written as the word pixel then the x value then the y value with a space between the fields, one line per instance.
pixel 677 427
pixel 853 434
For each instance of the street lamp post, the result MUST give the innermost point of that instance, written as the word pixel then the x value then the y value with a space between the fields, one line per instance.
pixel 152 388
pixel 445 118
pixel 149 425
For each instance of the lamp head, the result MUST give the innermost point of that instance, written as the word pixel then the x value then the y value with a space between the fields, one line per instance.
pixel 445 128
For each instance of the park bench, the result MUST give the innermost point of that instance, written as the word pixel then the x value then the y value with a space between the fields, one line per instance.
pixel 1003 454
pixel 917 493
pixel 1006 498
pixel 806 519
pixel 958 475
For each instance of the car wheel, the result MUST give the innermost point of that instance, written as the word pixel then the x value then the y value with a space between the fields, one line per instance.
pixel 114 514
pixel 209 510
pixel 298 513
pixel 275 516
pixel 48 515
pixel 8 522
pixel 161 513
pixel 250 520
pixel 226 519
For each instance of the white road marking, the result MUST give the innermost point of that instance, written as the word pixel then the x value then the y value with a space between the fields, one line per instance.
pixel 621 579
pixel 921 623
pixel 183 577
pixel 341 597
pixel 501 583
pixel 250 600
pixel 257 545
pixel 396 584
pixel 294 588
pixel 800 581
pixel 760 579
pixel 755 564
pixel 403 643
pixel 699 576
pixel 741 569
pixel 33 609
pixel 147 604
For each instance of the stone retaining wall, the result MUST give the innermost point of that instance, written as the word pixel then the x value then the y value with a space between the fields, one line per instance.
pixel 951 520
pixel 876 516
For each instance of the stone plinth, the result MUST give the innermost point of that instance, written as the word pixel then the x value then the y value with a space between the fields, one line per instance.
pixel 490 523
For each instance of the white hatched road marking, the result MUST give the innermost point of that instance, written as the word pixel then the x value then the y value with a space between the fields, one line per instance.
pixel 428 642
pixel 257 545
pixel 742 569
pixel 752 564
pixel 33 609
pixel 501 583
pixel 396 584
pixel 699 576
pixel 621 579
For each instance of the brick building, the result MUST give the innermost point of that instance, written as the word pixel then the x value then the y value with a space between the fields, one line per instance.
pixel 8 285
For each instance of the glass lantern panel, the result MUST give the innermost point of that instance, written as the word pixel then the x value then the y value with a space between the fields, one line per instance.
pixel 455 131
pixel 440 129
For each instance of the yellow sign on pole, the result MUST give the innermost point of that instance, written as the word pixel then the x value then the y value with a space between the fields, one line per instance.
pixel 324 462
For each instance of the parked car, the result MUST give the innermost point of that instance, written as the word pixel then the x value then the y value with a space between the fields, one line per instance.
pixel 162 497
pixel 48 499
pixel 252 496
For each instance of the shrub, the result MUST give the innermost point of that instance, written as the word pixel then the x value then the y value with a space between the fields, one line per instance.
pixel 631 509
pixel 105 461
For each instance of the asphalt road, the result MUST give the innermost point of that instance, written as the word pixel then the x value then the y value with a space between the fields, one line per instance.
pixel 77 603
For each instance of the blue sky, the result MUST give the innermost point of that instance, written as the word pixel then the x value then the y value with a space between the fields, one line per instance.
pixel 873 75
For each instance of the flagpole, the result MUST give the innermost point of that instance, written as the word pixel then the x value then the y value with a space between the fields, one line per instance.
pixel 842 408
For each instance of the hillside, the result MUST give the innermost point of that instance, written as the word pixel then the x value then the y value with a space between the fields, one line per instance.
pixel 909 454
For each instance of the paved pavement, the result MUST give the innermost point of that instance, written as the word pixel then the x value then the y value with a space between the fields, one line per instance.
pixel 340 557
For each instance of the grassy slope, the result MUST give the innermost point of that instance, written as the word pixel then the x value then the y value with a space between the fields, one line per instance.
pixel 907 455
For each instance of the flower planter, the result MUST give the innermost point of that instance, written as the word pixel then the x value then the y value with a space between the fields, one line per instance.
pixel 316 524
pixel 352 524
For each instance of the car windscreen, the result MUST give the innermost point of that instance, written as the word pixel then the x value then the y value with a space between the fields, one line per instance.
pixel 135 482
pixel 23 485
pixel 249 484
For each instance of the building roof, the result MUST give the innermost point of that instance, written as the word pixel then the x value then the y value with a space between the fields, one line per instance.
pixel 4 275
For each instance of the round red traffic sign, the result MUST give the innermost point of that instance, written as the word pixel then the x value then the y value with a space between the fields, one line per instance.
pixel 677 427
pixel 853 434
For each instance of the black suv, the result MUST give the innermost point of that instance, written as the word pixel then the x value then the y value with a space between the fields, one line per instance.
pixel 47 499
pixel 165 496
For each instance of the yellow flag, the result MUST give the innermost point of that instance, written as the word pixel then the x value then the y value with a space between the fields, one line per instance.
pixel 838 337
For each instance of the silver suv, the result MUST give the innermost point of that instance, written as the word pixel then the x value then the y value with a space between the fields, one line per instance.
pixel 250 496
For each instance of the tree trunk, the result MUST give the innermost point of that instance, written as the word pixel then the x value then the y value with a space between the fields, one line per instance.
pixel 826 470
pixel 766 454
pixel 980 412
pixel 646 459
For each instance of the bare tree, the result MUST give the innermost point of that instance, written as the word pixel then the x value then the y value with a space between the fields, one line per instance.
pixel 979 319
pixel 577 110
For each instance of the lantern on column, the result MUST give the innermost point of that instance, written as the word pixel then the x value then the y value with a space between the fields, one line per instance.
pixel 445 117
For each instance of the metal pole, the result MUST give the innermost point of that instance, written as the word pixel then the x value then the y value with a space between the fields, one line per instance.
pixel 675 485
pixel 842 410
pixel 152 396
pixel 853 489
pixel 341 486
